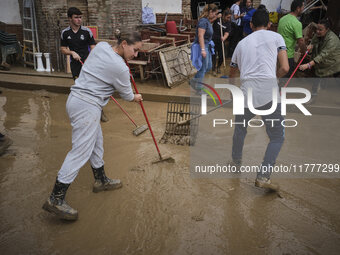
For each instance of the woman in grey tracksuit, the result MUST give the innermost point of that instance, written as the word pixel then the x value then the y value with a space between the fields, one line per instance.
pixel 103 73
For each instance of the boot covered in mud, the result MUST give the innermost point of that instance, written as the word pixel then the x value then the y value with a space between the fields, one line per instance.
pixel 102 182
pixel 103 117
pixel 5 142
pixel 57 205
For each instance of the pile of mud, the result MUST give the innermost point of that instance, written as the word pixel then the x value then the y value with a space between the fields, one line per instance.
pixel 177 139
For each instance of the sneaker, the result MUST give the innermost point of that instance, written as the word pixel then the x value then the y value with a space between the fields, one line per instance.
pixel 266 183
pixel 6 64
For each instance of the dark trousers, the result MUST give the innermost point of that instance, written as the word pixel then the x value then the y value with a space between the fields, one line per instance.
pixel 75 69
pixel 291 67
pixel 218 53
pixel 236 36
pixel 275 132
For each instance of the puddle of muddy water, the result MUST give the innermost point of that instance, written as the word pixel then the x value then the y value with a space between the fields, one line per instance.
pixel 160 209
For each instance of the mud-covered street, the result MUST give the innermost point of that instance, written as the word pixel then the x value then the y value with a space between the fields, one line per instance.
pixel 161 209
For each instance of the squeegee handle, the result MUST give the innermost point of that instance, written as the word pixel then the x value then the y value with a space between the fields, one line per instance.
pixel 146 117
pixel 296 69
pixel 200 115
pixel 123 110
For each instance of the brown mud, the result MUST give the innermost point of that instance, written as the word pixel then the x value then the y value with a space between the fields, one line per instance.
pixel 160 209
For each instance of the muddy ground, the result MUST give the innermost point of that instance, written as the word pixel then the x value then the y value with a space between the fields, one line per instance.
pixel 160 209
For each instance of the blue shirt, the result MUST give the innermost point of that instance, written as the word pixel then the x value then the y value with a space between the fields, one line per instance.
pixel 246 22
pixel 205 24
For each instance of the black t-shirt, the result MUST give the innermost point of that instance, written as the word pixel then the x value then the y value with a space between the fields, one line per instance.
pixel 78 42
pixel 226 28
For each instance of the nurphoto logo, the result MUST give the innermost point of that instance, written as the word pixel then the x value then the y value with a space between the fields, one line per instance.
pixel 238 105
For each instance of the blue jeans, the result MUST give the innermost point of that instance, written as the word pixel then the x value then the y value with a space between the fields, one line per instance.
pixel 275 132
pixel 206 66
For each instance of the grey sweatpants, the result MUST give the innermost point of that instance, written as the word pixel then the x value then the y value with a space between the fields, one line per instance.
pixel 87 138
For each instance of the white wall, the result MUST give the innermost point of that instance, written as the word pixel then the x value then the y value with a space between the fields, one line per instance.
pixel 273 4
pixel 163 6
pixel 9 12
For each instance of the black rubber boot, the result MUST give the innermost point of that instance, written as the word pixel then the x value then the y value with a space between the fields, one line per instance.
pixel 103 117
pixel 57 205
pixel 102 182
pixel 5 142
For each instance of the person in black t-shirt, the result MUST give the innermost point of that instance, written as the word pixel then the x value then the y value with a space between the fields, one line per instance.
pixel 76 41
pixel 220 39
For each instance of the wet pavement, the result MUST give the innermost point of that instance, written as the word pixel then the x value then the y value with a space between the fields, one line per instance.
pixel 161 209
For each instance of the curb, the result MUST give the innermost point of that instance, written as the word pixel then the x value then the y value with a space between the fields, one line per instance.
pixel 66 90
pixel 314 109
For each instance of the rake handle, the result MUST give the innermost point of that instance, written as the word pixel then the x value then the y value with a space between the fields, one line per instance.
pixel 146 117
pixel 123 110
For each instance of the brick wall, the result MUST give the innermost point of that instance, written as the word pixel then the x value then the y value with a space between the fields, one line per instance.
pixel 186 9
pixel 100 15
pixel 111 14
pixel 51 19
pixel 106 14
